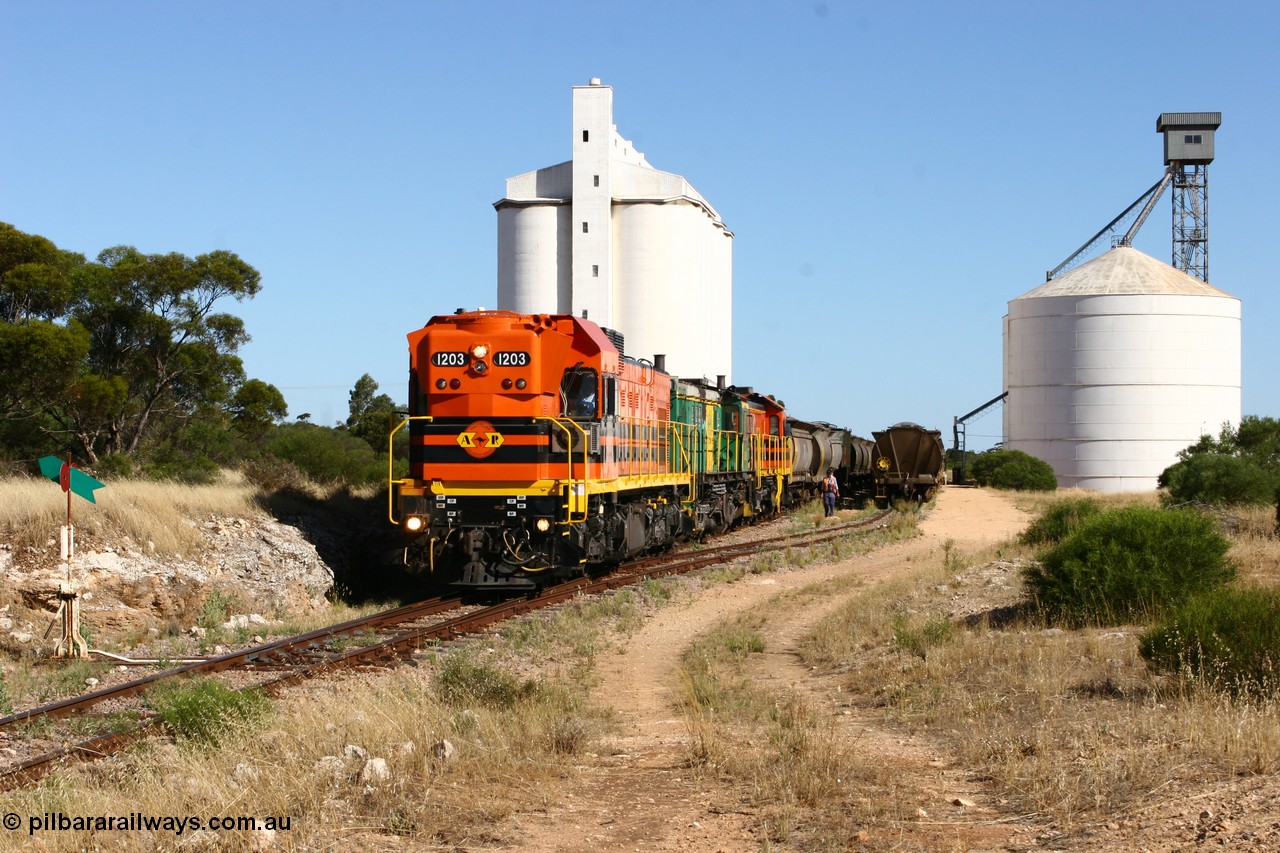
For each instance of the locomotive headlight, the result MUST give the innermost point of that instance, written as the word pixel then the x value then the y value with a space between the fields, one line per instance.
pixel 479 351
pixel 883 463
pixel 543 525
pixel 479 366
pixel 413 523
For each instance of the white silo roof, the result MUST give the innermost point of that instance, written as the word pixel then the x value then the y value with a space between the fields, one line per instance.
pixel 1124 271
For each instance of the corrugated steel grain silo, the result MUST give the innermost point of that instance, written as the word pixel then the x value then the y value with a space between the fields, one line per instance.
pixel 1116 366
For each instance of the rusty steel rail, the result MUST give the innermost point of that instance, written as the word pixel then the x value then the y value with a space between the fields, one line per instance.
pixel 277 650
pixel 391 649
pixel 723 553
pixel 33 769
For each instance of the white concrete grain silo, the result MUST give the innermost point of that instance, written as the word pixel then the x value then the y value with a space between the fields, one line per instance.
pixel 1116 366
pixel 638 249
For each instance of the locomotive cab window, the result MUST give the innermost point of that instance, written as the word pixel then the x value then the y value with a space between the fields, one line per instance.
pixel 578 390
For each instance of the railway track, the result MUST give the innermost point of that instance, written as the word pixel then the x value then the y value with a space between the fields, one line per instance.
pixel 382 639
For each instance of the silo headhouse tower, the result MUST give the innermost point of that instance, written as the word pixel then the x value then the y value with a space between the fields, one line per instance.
pixel 607 236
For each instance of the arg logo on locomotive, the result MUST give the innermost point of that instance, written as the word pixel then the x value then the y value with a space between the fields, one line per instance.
pixel 480 439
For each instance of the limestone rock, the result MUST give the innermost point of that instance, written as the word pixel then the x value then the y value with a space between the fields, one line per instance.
pixel 375 772
pixel 127 589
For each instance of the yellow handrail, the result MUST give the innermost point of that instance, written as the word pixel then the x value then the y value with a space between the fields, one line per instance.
pixel 771 455
pixel 573 482
pixel 664 448
pixel 722 450
pixel 391 458
pixel 683 453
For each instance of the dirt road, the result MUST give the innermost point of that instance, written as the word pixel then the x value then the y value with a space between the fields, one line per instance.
pixel 638 793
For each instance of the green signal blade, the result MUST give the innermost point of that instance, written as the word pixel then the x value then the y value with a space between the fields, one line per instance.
pixel 84 485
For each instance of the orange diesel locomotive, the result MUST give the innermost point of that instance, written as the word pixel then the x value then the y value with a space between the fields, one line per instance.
pixel 537 449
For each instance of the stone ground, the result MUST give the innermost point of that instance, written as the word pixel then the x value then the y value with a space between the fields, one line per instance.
pixel 127 593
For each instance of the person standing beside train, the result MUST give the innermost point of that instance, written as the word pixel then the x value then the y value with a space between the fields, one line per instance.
pixel 830 491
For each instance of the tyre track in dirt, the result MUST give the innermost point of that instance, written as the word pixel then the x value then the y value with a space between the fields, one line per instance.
pixel 638 792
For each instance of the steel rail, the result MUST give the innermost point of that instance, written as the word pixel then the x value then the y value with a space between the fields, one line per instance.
pixel 264 652
pixel 397 647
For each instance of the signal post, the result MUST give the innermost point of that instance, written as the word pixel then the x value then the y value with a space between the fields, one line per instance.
pixel 71 643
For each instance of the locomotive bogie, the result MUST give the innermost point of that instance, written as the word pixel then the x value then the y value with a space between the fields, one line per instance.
pixel 512 541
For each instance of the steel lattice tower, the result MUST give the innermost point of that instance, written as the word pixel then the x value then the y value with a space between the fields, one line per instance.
pixel 1188 151
pixel 1190 220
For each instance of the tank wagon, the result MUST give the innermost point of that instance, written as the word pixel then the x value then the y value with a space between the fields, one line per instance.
pixel 821 446
pixel 908 463
pixel 539 450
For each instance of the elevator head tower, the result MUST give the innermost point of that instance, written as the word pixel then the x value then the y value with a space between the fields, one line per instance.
pixel 1188 151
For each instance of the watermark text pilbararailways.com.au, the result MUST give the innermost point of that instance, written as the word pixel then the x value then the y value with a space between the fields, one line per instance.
pixel 138 822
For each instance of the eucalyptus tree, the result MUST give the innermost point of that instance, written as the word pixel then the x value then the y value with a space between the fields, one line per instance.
pixel 103 356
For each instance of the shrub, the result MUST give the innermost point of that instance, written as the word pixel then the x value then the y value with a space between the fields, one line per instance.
pixel 1229 637
pixel 1215 478
pixel 114 466
pixel 916 637
pixel 272 474
pixel 462 681
pixel 202 711
pixel 194 469
pixel 1012 469
pixel 6 704
pixel 1058 520
pixel 328 455
pixel 1129 564
pixel 218 607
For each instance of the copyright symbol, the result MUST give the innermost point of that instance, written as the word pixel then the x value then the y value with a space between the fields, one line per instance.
pixel 12 821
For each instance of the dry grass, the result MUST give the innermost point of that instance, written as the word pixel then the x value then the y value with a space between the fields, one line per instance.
pixel 158 518
pixel 1068 724
pixel 297 764
pixel 901 525
pixel 513 705
pixel 29 681
pixel 1256 544
pixel 805 781
pixel 802 777
pixel 1034 502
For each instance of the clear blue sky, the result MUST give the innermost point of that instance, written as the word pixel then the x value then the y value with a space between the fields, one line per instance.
pixel 895 173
